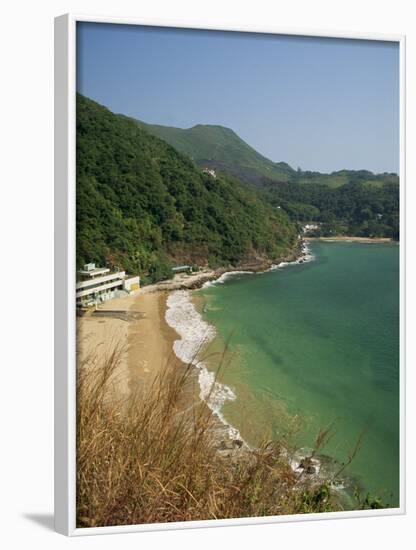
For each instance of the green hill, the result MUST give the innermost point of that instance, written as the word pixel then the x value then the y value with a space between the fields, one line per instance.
pixel 343 177
pixel 219 148
pixel 142 205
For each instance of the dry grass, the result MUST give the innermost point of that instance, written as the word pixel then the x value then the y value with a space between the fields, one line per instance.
pixel 152 458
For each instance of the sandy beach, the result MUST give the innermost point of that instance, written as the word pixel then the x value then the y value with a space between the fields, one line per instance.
pixel 137 323
pixel 352 239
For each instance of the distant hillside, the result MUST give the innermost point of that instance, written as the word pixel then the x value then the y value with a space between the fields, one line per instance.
pixel 342 177
pixel 142 206
pixel 357 208
pixel 222 149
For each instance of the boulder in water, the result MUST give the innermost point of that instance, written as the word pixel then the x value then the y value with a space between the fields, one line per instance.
pixel 307 466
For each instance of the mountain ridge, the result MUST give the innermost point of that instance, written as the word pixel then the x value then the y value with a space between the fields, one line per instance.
pixel 220 148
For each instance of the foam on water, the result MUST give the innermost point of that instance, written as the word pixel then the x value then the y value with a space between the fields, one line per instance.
pixel 297 460
pixel 304 257
pixel 225 276
pixel 194 333
pixel 193 330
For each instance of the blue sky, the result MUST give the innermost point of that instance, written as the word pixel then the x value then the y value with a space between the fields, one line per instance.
pixel 321 104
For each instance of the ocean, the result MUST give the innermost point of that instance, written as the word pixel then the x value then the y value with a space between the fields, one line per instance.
pixel 304 347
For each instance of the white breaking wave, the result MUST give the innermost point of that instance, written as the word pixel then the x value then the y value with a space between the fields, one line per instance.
pixel 304 257
pixel 193 330
pixel 297 461
pixel 182 316
pixel 195 333
pixel 304 462
pixel 225 276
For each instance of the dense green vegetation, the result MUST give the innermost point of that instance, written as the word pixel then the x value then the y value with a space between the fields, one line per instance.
pixel 354 202
pixel 143 206
pixel 354 208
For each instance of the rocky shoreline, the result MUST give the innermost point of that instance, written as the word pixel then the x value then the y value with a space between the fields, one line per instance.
pixel 198 279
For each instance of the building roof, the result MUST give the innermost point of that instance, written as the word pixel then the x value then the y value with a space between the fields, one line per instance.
pixel 93 272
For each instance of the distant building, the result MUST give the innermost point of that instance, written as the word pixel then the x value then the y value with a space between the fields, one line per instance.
pixel 210 172
pixel 97 285
pixel 310 227
pixel 182 269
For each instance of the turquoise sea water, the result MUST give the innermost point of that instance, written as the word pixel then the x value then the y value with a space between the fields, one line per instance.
pixel 314 344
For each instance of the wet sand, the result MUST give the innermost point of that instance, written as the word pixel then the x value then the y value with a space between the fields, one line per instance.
pixel 150 339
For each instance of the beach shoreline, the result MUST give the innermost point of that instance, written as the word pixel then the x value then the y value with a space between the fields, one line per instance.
pixel 345 238
pixel 197 279
pixel 196 335
pixel 138 322
pixel 152 343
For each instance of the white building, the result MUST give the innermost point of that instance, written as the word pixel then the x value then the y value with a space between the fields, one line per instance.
pixel 310 227
pixel 98 285
pixel 212 173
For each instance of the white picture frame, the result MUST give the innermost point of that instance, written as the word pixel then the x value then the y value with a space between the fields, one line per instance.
pixel 65 334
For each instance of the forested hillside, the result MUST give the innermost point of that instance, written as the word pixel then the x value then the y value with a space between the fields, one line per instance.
pixel 353 202
pixel 356 208
pixel 142 206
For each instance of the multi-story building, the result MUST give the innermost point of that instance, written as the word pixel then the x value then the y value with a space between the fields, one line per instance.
pixel 98 284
